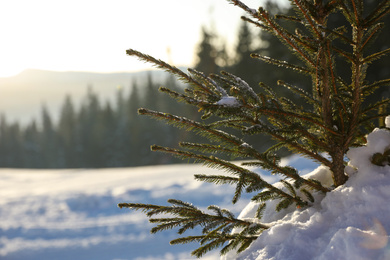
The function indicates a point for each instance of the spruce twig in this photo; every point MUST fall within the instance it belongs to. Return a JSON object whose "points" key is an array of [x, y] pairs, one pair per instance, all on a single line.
{"points": [[216, 227]]}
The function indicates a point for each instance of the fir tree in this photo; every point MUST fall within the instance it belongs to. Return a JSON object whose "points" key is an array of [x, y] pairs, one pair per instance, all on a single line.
{"points": [[207, 54], [335, 119], [49, 140], [31, 147], [66, 131]]}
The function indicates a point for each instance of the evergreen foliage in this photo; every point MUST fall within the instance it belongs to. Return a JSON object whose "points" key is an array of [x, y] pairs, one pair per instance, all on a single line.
{"points": [[336, 117]]}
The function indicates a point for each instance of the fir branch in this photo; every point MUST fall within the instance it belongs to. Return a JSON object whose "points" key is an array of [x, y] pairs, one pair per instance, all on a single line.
{"points": [[272, 165], [289, 18], [188, 124], [269, 91], [284, 35], [371, 33], [219, 240], [357, 12], [244, 7], [217, 179], [289, 187], [260, 211], [246, 177], [366, 119], [338, 33], [331, 67], [213, 149], [289, 114], [307, 18], [290, 142], [344, 8], [145, 208], [181, 97], [306, 41], [375, 106], [378, 13], [265, 195], [283, 204], [245, 238], [186, 216], [165, 66], [343, 53], [308, 195], [281, 63], [241, 84], [262, 15], [287, 172], [232, 123], [308, 97], [210, 81], [261, 26], [375, 85], [376, 56], [186, 240]]}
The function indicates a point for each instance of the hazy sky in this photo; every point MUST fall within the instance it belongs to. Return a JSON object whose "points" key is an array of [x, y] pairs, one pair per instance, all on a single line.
{"points": [[92, 35]]}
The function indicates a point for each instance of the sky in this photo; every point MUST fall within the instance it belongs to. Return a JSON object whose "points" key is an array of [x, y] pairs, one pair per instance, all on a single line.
{"points": [[93, 35]]}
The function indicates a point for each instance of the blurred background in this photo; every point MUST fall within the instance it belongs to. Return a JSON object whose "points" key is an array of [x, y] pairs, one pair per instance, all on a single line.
{"points": [[69, 93]]}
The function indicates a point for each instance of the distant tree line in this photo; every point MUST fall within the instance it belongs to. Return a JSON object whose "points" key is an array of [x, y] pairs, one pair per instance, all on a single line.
{"points": [[95, 135], [113, 135]]}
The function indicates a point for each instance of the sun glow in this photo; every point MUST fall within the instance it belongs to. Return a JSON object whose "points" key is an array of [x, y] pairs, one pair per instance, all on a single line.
{"points": [[93, 35]]}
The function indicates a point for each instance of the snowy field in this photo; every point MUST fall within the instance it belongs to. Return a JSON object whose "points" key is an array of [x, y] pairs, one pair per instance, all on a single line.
{"points": [[73, 214]]}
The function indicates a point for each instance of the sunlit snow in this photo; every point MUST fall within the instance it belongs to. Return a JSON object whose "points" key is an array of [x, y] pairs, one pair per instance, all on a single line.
{"points": [[228, 101], [73, 214]]}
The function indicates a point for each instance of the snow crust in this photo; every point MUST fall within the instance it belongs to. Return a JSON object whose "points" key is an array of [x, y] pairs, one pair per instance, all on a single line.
{"points": [[351, 222]]}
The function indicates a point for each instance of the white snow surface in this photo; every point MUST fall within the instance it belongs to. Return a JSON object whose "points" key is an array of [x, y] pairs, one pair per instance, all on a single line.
{"points": [[73, 214], [350, 222], [228, 101]]}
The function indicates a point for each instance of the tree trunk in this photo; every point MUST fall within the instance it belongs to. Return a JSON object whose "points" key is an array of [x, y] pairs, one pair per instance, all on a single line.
{"points": [[337, 168]]}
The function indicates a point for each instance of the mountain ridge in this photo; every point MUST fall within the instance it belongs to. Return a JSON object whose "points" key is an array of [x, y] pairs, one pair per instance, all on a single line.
{"points": [[23, 95]]}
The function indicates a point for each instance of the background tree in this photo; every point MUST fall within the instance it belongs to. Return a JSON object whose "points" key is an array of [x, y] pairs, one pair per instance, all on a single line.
{"points": [[207, 53], [245, 66], [31, 146], [67, 135], [10, 138], [49, 140]]}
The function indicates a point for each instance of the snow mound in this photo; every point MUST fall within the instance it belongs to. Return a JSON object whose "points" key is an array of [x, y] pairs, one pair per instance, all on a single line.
{"points": [[351, 222]]}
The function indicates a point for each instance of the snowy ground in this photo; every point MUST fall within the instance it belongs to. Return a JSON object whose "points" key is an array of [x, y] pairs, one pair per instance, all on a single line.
{"points": [[73, 214]]}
